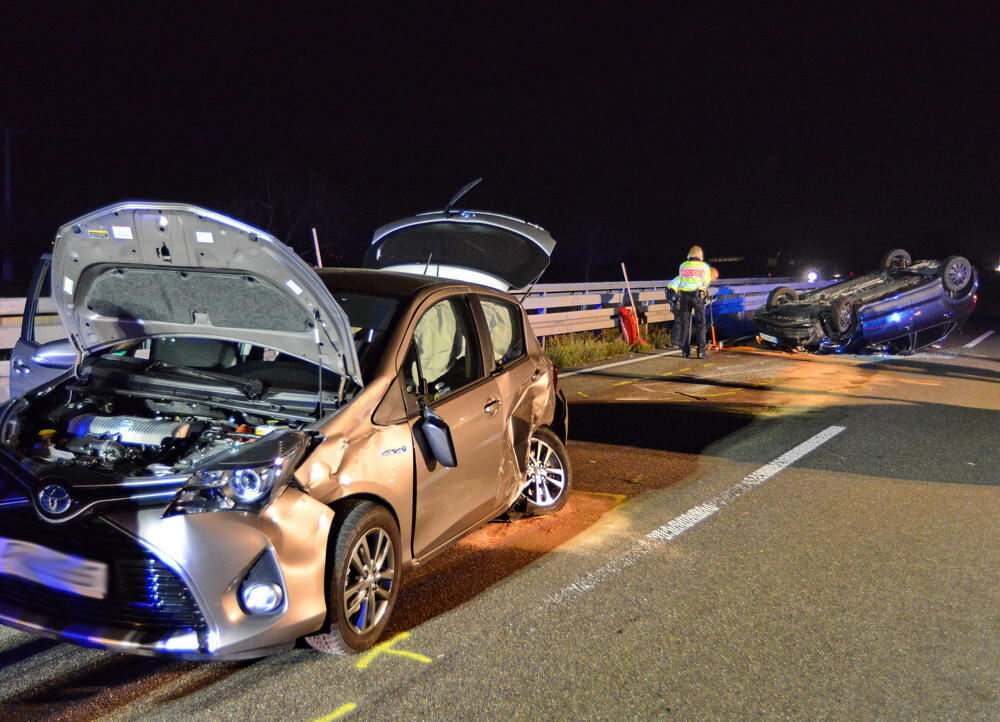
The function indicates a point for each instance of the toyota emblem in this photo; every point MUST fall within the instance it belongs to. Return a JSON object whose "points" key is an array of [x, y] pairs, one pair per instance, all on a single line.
{"points": [[54, 499]]}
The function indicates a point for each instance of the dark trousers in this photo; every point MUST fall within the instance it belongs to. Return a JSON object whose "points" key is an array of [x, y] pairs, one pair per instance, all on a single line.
{"points": [[692, 311]]}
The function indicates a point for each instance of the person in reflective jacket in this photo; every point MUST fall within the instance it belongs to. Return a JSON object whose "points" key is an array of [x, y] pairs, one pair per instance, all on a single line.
{"points": [[695, 276]]}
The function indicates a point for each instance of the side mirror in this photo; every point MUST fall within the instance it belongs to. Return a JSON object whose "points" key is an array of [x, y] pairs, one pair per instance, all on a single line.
{"points": [[438, 436], [59, 354]]}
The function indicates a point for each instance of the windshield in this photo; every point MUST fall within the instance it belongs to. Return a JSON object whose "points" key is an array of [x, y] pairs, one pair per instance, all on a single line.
{"points": [[370, 317]]}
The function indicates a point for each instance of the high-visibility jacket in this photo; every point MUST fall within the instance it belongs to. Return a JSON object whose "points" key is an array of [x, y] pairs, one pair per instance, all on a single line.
{"points": [[695, 275], [675, 283]]}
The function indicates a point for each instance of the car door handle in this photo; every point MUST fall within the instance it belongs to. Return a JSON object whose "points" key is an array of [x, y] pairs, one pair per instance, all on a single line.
{"points": [[492, 406]]}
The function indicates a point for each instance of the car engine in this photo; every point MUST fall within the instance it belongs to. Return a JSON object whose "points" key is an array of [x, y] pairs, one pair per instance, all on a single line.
{"points": [[101, 424]]}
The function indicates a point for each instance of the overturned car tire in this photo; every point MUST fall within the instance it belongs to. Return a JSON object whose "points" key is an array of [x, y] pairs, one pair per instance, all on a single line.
{"points": [[896, 258], [781, 295], [841, 315], [956, 273]]}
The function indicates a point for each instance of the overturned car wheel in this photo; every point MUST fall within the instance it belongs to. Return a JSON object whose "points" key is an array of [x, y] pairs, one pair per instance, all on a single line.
{"points": [[548, 477], [956, 273], [363, 579], [781, 295], [896, 258], [841, 315]]}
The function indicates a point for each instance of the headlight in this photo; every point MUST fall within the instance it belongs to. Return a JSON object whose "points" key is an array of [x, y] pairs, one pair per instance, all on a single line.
{"points": [[244, 479]]}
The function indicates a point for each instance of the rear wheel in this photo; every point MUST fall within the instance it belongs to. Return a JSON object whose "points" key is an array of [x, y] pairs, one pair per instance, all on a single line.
{"points": [[781, 295], [956, 273], [896, 258], [548, 477], [363, 579]]}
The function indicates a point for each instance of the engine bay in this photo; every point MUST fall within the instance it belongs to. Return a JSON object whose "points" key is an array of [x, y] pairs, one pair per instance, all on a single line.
{"points": [[129, 418]]}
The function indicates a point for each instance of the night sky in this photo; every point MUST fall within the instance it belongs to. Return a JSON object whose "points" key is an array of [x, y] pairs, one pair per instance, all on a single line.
{"points": [[628, 132]]}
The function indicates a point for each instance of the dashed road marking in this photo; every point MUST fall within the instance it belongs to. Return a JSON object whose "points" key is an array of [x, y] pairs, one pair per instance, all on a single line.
{"points": [[566, 375], [977, 341], [692, 517]]}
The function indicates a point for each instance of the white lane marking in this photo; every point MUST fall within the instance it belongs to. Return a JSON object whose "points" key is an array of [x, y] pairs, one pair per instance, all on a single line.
{"points": [[692, 517], [977, 341], [619, 363]]}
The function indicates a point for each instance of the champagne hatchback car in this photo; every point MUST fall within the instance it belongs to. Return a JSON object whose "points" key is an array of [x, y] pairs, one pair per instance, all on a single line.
{"points": [[245, 451]]}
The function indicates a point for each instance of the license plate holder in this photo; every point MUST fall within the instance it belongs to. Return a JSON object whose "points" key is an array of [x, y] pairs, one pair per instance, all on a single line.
{"points": [[53, 569], [768, 337]]}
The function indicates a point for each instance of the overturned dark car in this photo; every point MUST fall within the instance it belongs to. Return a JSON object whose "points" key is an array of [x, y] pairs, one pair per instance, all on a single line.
{"points": [[905, 306]]}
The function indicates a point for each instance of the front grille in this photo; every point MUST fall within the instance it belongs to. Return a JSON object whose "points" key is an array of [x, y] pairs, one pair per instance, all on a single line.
{"points": [[144, 595]]}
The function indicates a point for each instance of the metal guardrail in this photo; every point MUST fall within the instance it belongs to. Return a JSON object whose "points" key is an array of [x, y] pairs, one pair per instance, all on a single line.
{"points": [[553, 308], [556, 308]]}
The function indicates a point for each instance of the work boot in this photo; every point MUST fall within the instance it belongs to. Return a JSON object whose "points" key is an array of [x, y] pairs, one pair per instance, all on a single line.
{"points": [[686, 353], [701, 353]]}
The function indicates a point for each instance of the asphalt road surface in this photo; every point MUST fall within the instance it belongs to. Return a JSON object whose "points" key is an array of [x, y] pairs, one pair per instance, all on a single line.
{"points": [[761, 535]]}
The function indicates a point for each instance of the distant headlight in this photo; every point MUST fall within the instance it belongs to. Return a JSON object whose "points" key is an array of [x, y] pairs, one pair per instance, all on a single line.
{"points": [[812, 276], [244, 479]]}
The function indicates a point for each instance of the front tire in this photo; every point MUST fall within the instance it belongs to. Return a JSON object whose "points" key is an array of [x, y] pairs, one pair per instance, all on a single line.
{"points": [[363, 579], [548, 476], [841, 315]]}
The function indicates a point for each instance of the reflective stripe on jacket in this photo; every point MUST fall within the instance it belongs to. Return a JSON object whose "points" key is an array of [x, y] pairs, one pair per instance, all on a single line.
{"points": [[675, 283], [695, 275]]}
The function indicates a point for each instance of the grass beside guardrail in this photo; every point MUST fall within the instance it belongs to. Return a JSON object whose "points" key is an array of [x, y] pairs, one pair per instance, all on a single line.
{"points": [[570, 350]]}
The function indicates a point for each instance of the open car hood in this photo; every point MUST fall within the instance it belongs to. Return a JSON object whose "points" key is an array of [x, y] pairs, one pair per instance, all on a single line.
{"points": [[475, 246], [140, 269]]}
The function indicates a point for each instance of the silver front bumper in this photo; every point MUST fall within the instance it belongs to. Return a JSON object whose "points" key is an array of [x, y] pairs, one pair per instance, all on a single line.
{"points": [[204, 558]]}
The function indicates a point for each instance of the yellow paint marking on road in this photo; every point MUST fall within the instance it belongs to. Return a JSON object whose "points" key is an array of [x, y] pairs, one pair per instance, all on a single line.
{"points": [[721, 393], [625, 383], [338, 713], [580, 393], [920, 383], [386, 648], [617, 497], [668, 373]]}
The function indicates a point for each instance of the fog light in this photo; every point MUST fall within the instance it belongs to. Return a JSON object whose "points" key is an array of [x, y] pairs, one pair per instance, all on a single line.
{"points": [[261, 597]]}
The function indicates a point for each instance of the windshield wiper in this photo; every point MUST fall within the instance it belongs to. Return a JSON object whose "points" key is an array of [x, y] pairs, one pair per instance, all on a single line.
{"points": [[251, 388]]}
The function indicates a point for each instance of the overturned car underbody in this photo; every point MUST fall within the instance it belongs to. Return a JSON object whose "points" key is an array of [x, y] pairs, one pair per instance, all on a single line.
{"points": [[902, 308]]}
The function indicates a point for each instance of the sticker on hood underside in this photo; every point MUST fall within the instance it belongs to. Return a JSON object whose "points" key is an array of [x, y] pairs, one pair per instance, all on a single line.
{"points": [[98, 233], [123, 233], [203, 237]]}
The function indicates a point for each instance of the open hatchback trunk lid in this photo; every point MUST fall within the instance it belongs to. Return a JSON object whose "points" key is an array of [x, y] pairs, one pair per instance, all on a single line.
{"points": [[140, 269], [474, 246]]}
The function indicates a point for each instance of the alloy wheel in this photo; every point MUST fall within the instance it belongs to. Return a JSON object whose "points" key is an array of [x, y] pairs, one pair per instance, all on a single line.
{"points": [[546, 478], [958, 274], [369, 579]]}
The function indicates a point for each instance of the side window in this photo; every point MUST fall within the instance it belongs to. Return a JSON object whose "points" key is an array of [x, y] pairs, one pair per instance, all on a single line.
{"points": [[445, 356], [506, 331]]}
